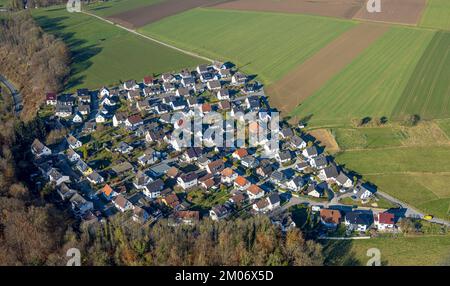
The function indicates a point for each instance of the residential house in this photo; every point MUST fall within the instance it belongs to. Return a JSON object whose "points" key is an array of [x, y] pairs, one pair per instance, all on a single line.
{"points": [[134, 121], [122, 204], [329, 173], [343, 180], [277, 177], [223, 94], [65, 192], [130, 85], [330, 218], [241, 183], [249, 162], [358, 221], [38, 149], [296, 183], [56, 177], [73, 142], [153, 189], [77, 118], [253, 102], [95, 178], [83, 167], [228, 176], [72, 155], [319, 162], [284, 156], [254, 192], [80, 205], [384, 221], [50, 98], [215, 167], [218, 212], [84, 109], [238, 79], [316, 190], [297, 142], [240, 153], [107, 192], [188, 180], [124, 148], [63, 110], [100, 117], [187, 217], [310, 152], [119, 118], [140, 215]]}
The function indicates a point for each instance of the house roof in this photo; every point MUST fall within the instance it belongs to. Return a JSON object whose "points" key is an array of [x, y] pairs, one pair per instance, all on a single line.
{"points": [[331, 171], [121, 201], [148, 79], [155, 186], [50, 96], [254, 189], [107, 190], [206, 107], [134, 119], [263, 203], [241, 152], [386, 218], [225, 104], [173, 172], [330, 216], [274, 198], [189, 177], [241, 181], [358, 218], [216, 165], [342, 178], [187, 215], [227, 172]]}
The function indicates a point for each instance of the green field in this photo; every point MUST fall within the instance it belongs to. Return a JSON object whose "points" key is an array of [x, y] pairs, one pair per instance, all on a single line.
{"points": [[405, 251], [103, 54], [267, 44], [444, 124], [428, 90], [112, 7], [415, 175], [361, 138], [373, 83], [436, 15]]}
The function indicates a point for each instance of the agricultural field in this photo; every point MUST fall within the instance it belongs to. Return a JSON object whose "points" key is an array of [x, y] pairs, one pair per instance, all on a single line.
{"points": [[103, 54], [372, 84], [444, 124], [427, 92], [244, 41], [436, 15], [424, 250], [334, 8], [305, 80], [113, 7], [141, 16], [395, 11], [367, 137]]}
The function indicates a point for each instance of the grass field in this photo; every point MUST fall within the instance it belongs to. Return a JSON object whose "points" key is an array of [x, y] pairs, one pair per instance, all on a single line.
{"points": [[361, 138], [405, 251], [444, 124], [267, 44], [373, 83], [436, 15], [112, 7], [103, 54], [428, 90]]}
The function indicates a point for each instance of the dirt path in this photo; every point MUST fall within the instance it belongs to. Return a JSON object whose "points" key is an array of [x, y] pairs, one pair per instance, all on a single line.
{"points": [[302, 82]]}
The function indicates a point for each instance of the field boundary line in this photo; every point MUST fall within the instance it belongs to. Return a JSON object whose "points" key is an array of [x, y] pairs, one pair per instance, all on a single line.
{"points": [[149, 38]]}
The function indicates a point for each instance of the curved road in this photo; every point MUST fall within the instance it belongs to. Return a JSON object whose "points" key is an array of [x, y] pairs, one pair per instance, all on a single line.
{"points": [[17, 97]]}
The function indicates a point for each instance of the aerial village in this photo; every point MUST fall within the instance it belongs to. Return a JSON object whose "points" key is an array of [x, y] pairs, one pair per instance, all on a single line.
{"points": [[120, 157]]}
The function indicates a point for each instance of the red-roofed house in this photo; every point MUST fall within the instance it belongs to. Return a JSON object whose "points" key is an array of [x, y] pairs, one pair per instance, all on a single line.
{"points": [[50, 98], [384, 221], [240, 153], [241, 183]]}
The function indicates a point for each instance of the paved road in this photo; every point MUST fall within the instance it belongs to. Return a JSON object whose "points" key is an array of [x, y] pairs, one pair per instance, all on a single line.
{"points": [[17, 97]]}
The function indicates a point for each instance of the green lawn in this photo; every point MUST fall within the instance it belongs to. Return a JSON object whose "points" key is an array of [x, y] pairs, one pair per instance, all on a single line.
{"points": [[405, 251], [103, 54], [368, 137], [112, 7], [373, 83], [267, 44], [436, 15], [428, 90]]}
